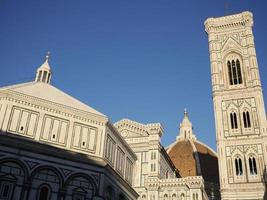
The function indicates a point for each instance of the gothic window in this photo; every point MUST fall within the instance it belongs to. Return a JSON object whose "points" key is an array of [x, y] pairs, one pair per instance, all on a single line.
{"points": [[246, 119], [173, 196], [233, 119], [238, 167], [234, 72], [143, 197], [44, 193], [252, 165]]}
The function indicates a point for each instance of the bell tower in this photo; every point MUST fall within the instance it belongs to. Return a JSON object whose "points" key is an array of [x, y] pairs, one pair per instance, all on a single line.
{"points": [[240, 120]]}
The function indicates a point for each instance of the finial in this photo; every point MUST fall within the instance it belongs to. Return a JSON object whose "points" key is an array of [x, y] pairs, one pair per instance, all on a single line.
{"points": [[47, 56], [185, 111]]}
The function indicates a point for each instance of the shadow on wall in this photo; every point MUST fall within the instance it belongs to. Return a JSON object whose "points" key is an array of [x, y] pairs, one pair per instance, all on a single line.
{"points": [[210, 174], [33, 170]]}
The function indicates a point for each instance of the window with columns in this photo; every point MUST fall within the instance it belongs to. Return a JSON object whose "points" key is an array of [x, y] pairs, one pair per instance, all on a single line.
{"points": [[252, 165], [234, 72], [238, 167], [233, 119], [246, 119]]}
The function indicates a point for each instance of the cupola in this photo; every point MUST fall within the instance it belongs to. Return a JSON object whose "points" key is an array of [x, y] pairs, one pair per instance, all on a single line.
{"points": [[186, 129], [44, 71]]}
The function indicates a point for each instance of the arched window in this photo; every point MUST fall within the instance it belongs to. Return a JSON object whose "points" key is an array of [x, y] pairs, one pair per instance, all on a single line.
{"points": [[143, 197], [252, 166], [44, 193], [233, 119], [173, 196], [246, 119], [194, 196], [238, 167], [234, 72]]}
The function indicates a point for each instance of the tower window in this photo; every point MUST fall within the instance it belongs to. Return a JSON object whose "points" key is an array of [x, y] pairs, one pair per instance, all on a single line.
{"points": [[238, 167], [234, 72], [246, 119], [252, 166], [233, 119]]}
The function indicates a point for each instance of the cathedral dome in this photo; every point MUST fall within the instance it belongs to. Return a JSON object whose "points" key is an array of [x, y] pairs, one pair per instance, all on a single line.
{"points": [[191, 157]]}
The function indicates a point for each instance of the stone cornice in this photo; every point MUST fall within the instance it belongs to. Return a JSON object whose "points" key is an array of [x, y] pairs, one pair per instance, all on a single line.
{"points": [[229, 22], [190, 182], [141, 129]]}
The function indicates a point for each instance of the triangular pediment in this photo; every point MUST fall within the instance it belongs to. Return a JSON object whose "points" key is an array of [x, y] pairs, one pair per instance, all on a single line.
{"points": [[230, 44]]}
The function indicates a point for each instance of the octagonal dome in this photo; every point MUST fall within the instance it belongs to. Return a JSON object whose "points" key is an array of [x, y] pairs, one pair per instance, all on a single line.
{"points": [[193, 158]]}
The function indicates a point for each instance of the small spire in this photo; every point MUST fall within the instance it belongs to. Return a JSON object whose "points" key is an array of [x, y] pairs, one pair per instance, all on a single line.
{"points": [[185, 112], [47, 56]]}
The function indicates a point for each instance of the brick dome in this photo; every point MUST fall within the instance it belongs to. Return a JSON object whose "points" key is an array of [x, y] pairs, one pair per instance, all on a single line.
{"points": [[193, 158]]}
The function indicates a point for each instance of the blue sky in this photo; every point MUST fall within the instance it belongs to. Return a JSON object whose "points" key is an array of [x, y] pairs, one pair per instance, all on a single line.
{"points": [[145, 60]]}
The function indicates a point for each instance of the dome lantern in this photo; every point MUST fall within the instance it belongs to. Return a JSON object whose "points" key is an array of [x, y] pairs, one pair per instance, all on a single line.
{"points": [[186, 129], [44, 71]]}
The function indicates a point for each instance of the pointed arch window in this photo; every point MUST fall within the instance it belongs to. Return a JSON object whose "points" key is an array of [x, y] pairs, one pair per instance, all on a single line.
{"points": [[252, 165], [246, 119], [233, 119], [234, 72], [238, 167]]}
